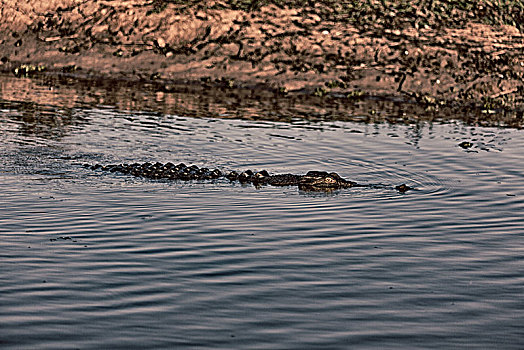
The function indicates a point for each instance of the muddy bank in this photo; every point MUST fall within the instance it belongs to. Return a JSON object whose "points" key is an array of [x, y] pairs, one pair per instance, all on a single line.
{"points": [[434, 52]]}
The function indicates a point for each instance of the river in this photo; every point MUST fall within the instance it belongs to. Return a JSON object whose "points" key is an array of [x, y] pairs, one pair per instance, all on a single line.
{"points": [[94, 260]]}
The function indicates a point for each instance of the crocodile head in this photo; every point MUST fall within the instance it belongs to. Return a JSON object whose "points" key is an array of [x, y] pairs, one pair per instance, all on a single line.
{"points": [[323, 181]]}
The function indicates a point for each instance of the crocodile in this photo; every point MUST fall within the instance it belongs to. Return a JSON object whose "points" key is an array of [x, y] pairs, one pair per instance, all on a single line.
{"points": [[312, 181]]}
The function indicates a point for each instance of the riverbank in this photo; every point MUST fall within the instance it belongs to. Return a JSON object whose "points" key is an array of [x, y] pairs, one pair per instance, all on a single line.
{"points": [[436, 53]]}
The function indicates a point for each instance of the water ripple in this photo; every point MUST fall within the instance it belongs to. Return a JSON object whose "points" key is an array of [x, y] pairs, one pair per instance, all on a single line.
{"points": [[94, 260]]}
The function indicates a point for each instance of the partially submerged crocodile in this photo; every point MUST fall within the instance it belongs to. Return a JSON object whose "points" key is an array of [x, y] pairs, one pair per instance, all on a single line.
{"points": [[312, 181]]}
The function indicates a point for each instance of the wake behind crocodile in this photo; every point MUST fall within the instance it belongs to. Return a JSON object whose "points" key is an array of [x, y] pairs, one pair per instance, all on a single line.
{"points": [[313, 180]]}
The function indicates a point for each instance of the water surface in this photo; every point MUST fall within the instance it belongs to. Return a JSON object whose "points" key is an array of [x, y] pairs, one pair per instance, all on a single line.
{"points": [[94, 260]]}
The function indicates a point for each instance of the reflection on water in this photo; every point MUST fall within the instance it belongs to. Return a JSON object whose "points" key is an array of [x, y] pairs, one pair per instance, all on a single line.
{"points": [[197, 101], [50, 108], [45, 121], [104, 260]]}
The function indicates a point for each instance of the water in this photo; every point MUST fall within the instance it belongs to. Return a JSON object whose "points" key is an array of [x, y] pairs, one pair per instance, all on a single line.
{"points": [[95, 260]]}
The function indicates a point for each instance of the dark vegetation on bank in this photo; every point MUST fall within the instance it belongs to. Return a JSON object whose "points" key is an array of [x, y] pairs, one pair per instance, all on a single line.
{"points": [[386, 13]]}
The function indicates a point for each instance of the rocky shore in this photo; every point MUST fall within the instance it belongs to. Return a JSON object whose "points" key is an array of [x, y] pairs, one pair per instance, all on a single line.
{"points": [[432, 52]]}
